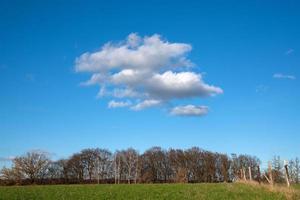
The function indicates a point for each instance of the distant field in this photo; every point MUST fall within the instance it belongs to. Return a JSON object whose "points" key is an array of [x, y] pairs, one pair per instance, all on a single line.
{"points": [[140, 191]]}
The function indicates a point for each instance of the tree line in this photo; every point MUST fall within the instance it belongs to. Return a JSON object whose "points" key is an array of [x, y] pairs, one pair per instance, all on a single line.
{"points": [[155, 165]]}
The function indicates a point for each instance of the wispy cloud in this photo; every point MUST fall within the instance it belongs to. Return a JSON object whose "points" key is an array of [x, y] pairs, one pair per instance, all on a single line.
{"points": [[149, 71], [261, 88], [189, 110], [118, 104], [6, 159], [289, 51], [146, 104], [284, 76]]}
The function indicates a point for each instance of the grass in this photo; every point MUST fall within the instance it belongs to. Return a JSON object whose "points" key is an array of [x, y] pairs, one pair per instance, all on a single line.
{"points": [[297, 187], [142, 191]]}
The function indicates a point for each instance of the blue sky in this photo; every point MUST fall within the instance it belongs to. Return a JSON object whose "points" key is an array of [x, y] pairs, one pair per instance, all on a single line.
{"points": [[250, 50]]}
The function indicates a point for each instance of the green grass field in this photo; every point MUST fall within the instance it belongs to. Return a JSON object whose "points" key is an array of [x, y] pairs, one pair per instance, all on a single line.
{"points": [[140, 191]]}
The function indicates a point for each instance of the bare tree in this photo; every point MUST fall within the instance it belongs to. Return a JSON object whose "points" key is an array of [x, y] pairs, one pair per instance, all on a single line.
{"points": [[155, 165], [178, 165], [294, 170], [7, 174], [277, 170], [58, 171], [297, 170], [75, 167], [33, 165], [89, 159], [11, 176], [223, 167], [104, 164], [130, 161]]}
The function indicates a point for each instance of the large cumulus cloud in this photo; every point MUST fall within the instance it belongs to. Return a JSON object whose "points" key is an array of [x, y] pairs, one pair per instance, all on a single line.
{"points": [[146, 71]]}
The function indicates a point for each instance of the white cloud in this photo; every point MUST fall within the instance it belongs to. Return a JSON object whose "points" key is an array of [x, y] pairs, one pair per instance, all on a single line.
{"points": [[127, 92], [152, 53], [102, 92], [97, 78], [128, 77], [284, 76], [189, 110], [146, 104], [180, 85], [147, 70], [118, 104], [133, 40]]}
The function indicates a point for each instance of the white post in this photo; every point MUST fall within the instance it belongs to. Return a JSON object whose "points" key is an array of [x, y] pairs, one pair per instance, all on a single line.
{"points": [[270, 173], [286, 173], [98, 178], [115, 163], [244, 173], [250, 174]]}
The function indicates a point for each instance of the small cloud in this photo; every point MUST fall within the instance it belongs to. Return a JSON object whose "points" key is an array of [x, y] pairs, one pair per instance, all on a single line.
{"points": [[134, 40], [11, 157], [289, 51], [42, 151], [102, 92], [121, 93], [6, 159], [189, 110], [146, 104], [284, 76], [118, 104], [261, 88]]}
